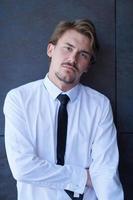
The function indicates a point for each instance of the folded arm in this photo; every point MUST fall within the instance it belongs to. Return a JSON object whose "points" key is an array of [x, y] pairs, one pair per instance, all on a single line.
{"points": [[105, 158], [24, 162]]}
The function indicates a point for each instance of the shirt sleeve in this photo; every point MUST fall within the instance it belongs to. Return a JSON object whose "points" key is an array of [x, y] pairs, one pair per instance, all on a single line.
{"points": [[25, 164], [105, 158]]}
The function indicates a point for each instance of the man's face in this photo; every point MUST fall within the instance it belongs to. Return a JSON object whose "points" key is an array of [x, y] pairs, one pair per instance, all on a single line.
{"points": [[70, 58]]}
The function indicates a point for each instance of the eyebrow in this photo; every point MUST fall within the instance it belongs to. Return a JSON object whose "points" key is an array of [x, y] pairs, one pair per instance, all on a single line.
{"points": [[83, 51], [70, 44]]}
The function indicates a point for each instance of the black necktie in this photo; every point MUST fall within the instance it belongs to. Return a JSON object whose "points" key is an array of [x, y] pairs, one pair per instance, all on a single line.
{"points": [[62, 135], [62, 128]]}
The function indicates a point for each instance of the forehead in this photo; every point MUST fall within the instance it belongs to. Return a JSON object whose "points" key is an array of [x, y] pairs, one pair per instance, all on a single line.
{"points": [[76, 39]]}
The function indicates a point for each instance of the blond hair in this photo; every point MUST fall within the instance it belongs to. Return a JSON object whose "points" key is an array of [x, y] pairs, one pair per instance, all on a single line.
{"points": [[83, 26]]}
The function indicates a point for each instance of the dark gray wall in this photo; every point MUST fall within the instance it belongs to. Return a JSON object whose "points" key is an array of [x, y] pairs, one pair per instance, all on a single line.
{"points": [[24, 33], [124, 92]]}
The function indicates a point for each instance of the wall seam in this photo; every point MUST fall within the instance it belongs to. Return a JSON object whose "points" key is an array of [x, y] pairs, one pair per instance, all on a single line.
{"points": [[115, 45]]}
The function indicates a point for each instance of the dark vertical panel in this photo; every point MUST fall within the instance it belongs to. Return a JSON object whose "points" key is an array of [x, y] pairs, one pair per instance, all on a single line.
{"points": [[7, 184], [124, 44], [125, 65], [126, 164]]}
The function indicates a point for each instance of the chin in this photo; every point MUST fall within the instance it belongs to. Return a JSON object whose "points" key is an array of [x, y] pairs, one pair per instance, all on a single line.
{"points": [[69, 81]]}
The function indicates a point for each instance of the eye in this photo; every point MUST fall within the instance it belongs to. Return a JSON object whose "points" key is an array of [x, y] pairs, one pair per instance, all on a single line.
{"points": [[84, 56], [67, 48]]}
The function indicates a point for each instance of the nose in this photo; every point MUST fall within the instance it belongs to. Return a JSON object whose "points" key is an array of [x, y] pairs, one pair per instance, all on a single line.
{"points": [[73, 57]]}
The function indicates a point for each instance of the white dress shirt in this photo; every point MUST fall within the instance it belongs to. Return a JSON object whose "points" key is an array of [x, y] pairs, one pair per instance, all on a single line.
{"points": [[31, 137]]}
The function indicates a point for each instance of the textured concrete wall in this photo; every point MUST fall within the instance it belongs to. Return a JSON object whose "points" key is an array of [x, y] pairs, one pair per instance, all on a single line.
{"points": [[25, 30]]}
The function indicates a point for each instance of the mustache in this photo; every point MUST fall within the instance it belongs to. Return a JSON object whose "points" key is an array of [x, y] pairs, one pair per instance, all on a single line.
{"points": [[70, 64]]}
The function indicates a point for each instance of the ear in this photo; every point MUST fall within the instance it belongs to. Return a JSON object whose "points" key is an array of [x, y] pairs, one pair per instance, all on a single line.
{"points": [[50, 49]]}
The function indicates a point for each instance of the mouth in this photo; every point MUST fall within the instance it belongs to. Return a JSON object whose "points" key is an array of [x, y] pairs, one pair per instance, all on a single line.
{"points": [[69, 66]]}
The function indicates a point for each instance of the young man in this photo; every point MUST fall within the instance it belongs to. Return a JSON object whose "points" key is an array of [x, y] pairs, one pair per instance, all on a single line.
{"points": [[88, 167]]}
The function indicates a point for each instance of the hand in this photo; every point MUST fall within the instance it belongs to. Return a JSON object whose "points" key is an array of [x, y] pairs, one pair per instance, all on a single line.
{"points": [[89, 183]]}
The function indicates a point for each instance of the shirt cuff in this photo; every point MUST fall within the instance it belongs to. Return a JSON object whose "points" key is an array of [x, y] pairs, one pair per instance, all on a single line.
{"points": [[78, 180]]}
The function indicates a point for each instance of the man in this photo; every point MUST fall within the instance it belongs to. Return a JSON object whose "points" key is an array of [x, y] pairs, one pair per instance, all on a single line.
{"points": [[88, 169]]}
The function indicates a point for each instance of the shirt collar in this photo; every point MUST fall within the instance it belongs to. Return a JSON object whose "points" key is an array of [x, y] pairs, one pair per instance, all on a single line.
{"points": [[54, 91]]}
